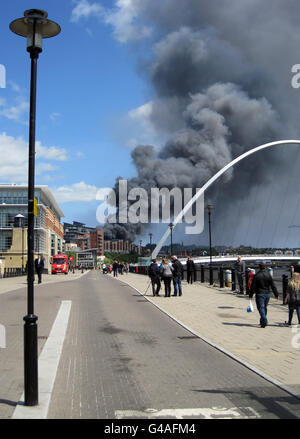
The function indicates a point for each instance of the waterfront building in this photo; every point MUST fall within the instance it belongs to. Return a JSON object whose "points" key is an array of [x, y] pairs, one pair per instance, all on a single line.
{"points": [[48, 237]]}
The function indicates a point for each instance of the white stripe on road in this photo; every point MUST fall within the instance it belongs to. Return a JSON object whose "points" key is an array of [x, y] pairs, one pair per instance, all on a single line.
{"points": [[47, 366]]}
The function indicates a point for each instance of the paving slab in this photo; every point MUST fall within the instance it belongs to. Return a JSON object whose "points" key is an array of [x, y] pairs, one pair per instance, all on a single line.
{"points": [[14, 283]]}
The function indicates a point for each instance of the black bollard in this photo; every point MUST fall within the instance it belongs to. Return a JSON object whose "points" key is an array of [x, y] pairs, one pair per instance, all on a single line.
{"points": [[285, 281], [202, 274], [211, 275], [233, 281], [221, 278]]}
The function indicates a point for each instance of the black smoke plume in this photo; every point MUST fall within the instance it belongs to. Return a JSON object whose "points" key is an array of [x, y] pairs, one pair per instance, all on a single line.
{"points": [[221, 73]]}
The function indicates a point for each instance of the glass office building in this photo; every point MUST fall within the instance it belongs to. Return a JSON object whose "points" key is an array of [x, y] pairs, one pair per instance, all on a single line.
{"points": [[13, 207]]}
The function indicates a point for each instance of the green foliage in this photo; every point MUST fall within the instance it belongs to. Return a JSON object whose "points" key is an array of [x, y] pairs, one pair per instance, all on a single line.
{"points": [[111, 257], [72, 253]]}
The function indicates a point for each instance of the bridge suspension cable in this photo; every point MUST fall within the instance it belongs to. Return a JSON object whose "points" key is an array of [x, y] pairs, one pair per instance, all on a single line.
{"points": [[211, 181]]}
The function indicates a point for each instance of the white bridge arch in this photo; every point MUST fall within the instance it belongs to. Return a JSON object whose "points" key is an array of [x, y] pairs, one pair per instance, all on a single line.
{"points": [[210, 182]]}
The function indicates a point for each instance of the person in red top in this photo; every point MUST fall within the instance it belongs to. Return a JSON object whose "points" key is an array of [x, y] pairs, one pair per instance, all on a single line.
{"points": [[250, 278]]}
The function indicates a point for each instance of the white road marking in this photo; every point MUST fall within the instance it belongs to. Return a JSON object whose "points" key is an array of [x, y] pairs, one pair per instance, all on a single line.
{"points": [[205, 413], [47, 366]]}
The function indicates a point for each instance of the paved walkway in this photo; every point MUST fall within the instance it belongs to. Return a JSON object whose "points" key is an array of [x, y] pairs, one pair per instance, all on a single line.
{"points": [[15, 283], [219, 316]]}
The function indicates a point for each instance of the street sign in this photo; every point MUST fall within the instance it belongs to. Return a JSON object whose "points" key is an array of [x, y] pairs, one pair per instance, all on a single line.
{"points": [[35, 206]]}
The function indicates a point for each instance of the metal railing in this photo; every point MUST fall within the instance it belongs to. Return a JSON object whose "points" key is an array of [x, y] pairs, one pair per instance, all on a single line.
{"points": [[221, 277], [13, 272]]}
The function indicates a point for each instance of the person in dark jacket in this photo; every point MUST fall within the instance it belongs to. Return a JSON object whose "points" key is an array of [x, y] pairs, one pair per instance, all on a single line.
{"points": [[239, 267], [261, 284], [39, 266], [115, 268], [177, 275], [154, 274], [190, 270]]}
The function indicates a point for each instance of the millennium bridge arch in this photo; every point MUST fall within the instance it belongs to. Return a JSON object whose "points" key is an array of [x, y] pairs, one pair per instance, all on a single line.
{"points": [[211, 181]]}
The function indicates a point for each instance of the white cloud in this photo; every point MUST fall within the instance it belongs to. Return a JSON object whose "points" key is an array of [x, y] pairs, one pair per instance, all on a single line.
{"points": [[55, 117], [16, 112], [75, 193], [84, 9], [139, 123], [50, 153], [44, 167], [14, 86], [142, 112], [124, 20], [14, 158]]}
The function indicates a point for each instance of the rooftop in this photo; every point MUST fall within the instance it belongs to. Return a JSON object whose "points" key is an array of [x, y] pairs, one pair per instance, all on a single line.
{"points": [[45, 189]]}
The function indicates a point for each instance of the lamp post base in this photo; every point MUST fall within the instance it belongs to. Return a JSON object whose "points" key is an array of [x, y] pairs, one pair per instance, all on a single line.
{"points": [[30, 360]]}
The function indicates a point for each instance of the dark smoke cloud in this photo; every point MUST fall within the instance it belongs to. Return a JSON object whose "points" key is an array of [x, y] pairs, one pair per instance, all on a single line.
{"points": [[220, 75]]}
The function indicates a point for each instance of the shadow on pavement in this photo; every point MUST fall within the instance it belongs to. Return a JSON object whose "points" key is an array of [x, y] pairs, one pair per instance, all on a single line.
{"points": [[273, 404], [8, 402]]}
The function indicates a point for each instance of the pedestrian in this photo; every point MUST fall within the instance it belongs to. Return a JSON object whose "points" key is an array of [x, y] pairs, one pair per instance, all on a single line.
{"points": [[154, 274], [177, 275], [190, 270], [239, 267], [261, 284], [39, 266], [115, 268], [250, 278], [166, 271], [293, 297], [104, 268], [121, 267]]}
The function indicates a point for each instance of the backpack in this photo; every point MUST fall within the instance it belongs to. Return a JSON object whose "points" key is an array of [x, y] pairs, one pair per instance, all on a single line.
{"points": [[152, 270]]}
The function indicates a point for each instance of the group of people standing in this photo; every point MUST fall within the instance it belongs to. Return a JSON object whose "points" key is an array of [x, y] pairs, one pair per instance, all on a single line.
{"points": [[167, 272], [117, 268], [261, 284]]}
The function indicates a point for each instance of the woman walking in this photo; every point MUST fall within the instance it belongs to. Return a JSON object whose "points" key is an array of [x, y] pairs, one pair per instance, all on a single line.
{"points": [[293, 297], [167, 276]]}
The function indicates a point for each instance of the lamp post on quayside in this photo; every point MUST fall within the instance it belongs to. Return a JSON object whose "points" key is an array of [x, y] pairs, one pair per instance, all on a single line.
{"points": [[209, 208], [171, 225], [150, 235], [34, 26]]}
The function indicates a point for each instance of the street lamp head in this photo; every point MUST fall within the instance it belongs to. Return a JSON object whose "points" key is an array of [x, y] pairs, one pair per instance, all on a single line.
{"points": [[35, 26]]}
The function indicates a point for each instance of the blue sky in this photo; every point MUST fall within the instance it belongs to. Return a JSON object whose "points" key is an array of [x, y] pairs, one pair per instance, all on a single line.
{"points": [[128, 72], [87, 86]]}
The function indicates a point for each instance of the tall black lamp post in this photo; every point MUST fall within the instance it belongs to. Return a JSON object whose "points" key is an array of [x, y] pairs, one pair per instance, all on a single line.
{"points": [[171, 225], [211, 281], [34, 26]]}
